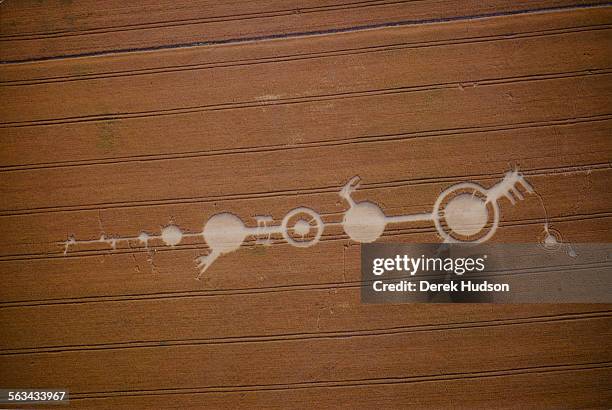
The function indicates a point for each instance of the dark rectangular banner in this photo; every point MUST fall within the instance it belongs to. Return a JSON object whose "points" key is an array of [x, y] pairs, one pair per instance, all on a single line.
{"points": [[486, 273]]}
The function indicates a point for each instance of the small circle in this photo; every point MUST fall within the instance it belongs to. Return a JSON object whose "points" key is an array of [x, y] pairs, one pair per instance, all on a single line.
{"points": [[224, 232], [308, 220], [550, 239], [301, 227], [171, 235], [364, 222], [466, 214]]}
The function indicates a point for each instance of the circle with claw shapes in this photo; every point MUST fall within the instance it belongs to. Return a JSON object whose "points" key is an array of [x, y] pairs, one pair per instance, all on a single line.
{"points": [[305, 231], [469, 218], [224, 233]]}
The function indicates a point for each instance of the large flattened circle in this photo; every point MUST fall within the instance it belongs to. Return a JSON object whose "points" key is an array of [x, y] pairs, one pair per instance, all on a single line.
{"points": [[224, 232]]}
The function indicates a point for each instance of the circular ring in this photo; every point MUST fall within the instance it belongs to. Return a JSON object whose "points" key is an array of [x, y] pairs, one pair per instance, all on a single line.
{"points": [[464, 186], [313, 217]]}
